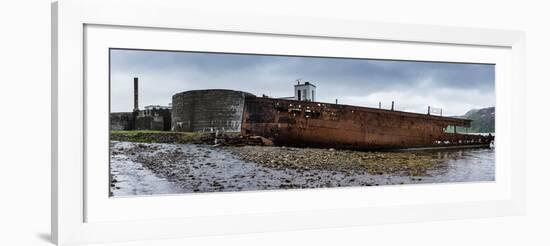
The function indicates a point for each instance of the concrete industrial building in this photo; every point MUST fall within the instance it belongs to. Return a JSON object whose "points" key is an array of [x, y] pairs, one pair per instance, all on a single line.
{"points": [[153, 117], [122, 121], [304, 92], [208, 110]]}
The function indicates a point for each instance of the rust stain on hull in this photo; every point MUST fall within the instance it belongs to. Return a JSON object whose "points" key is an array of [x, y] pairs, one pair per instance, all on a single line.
{"points": [[299, 123]]}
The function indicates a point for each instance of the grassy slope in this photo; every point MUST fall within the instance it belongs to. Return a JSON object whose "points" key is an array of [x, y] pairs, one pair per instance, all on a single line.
{"points": [[483, 121], [149, 136]]}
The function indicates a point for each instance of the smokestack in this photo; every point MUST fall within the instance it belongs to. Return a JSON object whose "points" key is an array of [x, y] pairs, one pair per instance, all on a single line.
{"points": [[136, 105]]}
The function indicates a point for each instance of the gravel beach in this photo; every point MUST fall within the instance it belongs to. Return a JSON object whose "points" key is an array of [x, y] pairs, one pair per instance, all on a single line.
{"points": [[159, 168]]}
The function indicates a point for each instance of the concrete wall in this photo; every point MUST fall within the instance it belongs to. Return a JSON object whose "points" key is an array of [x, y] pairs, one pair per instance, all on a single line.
{"points": [[154, 119], [150, 122], [122, 121], [208, 110]]}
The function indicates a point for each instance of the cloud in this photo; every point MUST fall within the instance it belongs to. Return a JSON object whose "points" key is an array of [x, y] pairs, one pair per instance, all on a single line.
{"points": [[413, 85], [411, 100]]}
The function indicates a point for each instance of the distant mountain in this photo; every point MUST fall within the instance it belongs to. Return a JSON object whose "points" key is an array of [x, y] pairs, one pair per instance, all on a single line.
{"points": [[483, 121]]}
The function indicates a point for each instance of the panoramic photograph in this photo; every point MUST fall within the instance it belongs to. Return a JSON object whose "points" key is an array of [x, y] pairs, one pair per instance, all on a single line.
{"points": [[200, 122]]}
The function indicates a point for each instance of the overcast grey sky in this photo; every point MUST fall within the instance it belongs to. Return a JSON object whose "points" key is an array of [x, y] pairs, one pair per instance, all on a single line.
{"points": [[413, 86]]}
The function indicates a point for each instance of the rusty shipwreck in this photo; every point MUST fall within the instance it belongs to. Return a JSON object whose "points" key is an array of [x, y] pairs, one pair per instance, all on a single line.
{"points": [[316, 124]]}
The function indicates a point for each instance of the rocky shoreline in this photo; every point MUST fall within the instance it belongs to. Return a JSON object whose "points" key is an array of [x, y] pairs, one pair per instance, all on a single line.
{"points": [[189, 168], [374, 162]]}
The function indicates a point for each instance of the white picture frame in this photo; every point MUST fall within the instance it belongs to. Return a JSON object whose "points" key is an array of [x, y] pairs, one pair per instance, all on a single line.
{"points": [[81, 213]]}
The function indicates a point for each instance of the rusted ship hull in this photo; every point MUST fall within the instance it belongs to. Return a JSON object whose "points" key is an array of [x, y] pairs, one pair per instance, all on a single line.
{"points": [[313, 124]]}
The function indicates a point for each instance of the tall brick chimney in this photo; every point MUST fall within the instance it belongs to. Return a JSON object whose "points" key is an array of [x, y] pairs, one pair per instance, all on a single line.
{"points": [[136, 105]]}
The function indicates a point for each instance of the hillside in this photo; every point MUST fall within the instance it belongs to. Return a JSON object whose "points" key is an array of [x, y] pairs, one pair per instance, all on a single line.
{"points": [[483, 121]]}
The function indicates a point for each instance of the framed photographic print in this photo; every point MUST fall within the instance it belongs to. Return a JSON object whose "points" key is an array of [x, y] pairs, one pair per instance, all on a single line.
{"points": [[172, 123]]}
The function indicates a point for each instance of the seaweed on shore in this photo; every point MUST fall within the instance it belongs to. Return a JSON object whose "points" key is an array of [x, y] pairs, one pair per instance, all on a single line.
{"points": [[395, 163]]}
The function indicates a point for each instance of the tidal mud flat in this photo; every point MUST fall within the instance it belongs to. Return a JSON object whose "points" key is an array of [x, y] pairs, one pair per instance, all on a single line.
{"points": [[164, 168]]}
